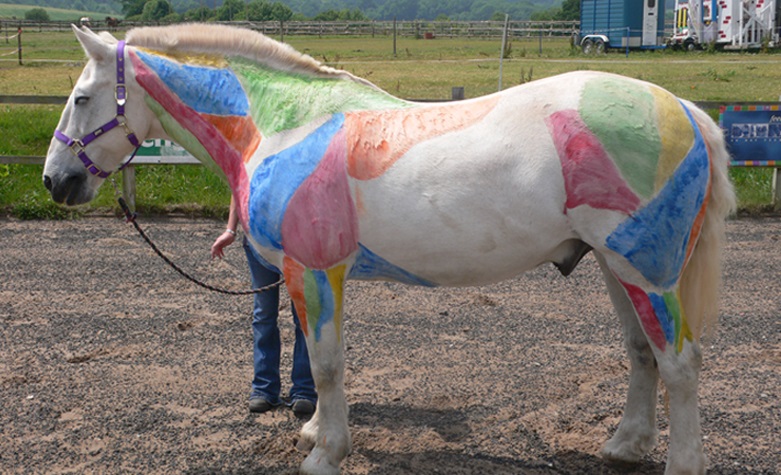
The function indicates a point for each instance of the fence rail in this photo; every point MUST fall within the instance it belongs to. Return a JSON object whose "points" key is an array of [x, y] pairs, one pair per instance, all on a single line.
{"points": [[417, 28]]}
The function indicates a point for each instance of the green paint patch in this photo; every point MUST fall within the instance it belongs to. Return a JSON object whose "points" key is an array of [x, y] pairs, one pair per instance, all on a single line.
{"points": [[621, 113], [312, 299], [282, 101]]}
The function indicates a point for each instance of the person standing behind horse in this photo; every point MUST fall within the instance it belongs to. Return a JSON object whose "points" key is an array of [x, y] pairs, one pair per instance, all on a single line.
{"points": [[266, 384]]}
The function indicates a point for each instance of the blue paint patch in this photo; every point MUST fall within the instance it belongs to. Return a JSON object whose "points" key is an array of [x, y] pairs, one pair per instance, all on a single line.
{"points": [[214, 91], [663, 316], [655, 238], [327, 307], [279, 176], [370, 266]]}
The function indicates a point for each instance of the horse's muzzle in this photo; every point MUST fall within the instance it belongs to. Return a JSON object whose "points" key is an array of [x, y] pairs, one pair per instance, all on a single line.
{"points": [[68, 189]]}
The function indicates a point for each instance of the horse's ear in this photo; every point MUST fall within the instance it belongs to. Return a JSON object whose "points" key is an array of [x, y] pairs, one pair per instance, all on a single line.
{"points": [[108, 37], [96, 47]]}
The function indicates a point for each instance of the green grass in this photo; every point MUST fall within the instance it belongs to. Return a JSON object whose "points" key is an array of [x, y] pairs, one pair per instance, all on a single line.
{"points": [[421, 69]]}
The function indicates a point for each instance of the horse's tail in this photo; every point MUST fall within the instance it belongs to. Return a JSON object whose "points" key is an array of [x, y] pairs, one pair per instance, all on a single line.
{"points": [[701, 280]]}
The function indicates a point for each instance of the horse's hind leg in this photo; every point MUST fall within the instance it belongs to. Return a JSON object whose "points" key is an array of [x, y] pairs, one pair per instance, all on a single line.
{"points": [[676, 352], [636, 434]]}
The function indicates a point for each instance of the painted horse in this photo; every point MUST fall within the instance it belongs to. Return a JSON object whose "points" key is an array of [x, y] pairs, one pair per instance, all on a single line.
{"points": [[336, 179]]}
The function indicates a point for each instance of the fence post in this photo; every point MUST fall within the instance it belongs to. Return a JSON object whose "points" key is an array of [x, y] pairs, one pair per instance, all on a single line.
{"points": [[504, 48], [129, 186], [457, 93], [394, 37], [19, 41]]}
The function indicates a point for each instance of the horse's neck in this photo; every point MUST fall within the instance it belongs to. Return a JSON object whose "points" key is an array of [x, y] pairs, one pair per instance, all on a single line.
{"points": [[221, 114], [282, 101]]}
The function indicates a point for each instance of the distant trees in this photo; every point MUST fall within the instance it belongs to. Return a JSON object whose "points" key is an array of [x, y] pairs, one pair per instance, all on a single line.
{"points": [[132, 8], [260, 10], [36, 14], [323, 10], [156, 10], [341, 15], [569, 10]]}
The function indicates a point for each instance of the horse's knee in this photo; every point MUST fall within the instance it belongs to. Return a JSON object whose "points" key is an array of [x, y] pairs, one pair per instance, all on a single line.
{"points": [[640, 352], [681, 369]]}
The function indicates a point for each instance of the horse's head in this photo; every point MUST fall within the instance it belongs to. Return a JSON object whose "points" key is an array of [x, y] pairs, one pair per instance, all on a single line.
{"points": [[99, 126]]}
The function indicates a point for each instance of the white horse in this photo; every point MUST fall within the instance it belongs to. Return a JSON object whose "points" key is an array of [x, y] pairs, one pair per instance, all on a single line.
{"points": [[336, 179]]}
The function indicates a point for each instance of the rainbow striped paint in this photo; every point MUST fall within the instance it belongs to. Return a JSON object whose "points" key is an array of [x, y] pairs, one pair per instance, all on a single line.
{"points": [[613, 158], [298, 200]]}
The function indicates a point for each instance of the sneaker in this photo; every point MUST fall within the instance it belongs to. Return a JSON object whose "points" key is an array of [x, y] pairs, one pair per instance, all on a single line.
{"points": [[303, 407], [259, 404]]}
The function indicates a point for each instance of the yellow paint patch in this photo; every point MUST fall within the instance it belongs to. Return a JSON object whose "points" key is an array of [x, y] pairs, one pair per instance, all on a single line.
{"points": [[675, 132], [336, 276], [196, 59]]}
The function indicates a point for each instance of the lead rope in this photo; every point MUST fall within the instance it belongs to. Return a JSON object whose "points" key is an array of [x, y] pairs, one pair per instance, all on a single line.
{"points": [[130, 217]]}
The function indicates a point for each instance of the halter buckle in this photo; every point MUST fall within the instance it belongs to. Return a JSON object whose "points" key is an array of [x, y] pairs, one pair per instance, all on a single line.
{"points": [[122, 120], [120, 94], [76, 147]]}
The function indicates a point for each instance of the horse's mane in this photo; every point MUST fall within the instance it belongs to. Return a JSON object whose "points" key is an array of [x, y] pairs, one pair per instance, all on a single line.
{"points": [[230, 41]]}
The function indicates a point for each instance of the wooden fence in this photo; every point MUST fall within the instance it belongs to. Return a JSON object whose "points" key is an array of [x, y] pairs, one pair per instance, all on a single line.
{"points": [[415, 29]]}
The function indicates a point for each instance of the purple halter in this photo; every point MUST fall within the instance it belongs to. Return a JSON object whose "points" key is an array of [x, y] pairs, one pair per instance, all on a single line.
{"points": [[120, 94]]}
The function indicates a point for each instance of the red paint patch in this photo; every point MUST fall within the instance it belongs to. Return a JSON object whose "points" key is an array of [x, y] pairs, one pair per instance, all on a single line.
{"points": [[221, 150], [590, 176], [320, 227], [645, 310]]}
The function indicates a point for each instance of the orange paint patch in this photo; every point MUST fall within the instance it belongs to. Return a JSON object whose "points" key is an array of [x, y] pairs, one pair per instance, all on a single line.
{"points": [[700, 218], [377, 139], [241, 132], [294, 279]]}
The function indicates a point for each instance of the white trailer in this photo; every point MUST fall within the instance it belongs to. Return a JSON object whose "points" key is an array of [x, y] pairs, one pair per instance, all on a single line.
{"points": [[730, 24]]}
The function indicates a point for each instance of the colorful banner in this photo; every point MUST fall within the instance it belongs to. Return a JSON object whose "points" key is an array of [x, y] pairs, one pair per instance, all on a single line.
{"points": [[753, 134]]}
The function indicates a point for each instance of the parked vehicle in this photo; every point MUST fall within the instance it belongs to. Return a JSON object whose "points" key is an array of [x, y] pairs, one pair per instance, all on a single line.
{"points": [[621, 24], [729, 24]]}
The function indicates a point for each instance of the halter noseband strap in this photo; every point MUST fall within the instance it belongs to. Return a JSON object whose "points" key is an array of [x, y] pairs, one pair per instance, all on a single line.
{"points": [[120, 94]]}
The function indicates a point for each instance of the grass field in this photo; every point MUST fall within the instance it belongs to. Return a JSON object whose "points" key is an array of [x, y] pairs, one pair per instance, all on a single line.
{"points": [[421, 69]]}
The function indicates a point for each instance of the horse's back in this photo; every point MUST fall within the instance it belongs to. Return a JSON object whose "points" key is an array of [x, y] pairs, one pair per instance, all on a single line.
{"points": [[560, 159]]}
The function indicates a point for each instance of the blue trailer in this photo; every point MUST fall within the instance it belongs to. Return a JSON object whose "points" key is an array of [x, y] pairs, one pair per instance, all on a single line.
{"points": [[635, 24]]}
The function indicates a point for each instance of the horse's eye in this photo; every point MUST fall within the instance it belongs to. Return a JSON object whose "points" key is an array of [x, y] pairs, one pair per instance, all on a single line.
{"points": [[81, 100]]}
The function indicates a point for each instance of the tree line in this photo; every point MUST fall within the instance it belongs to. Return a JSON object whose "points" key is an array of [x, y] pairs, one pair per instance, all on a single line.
{"points": [[319, 10]]}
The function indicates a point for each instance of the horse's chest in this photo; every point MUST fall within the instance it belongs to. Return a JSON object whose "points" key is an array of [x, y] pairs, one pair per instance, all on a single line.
{"points": [[300, 200]]}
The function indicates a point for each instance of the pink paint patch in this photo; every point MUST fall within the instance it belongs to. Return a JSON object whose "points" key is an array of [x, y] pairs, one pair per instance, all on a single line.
{"points": [[320, 227], [590, 176], [645, 311], [221, 150]]}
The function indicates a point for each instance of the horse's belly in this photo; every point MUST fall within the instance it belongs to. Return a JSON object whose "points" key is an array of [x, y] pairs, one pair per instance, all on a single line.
{"points": [[473, 214]]}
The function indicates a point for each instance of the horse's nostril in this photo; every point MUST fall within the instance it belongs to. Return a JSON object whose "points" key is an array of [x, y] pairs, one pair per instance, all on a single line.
{"points": [[47, 182]]}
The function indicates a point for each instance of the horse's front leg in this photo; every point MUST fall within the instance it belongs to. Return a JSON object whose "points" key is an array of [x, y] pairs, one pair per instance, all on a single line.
{"points": [[320, 294]]}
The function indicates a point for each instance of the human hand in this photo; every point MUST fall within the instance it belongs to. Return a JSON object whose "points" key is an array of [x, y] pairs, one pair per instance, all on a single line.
{"points": [[225, 240]]}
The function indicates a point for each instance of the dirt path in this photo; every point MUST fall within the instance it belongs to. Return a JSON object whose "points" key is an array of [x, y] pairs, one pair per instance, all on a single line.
{"points": [[111, 363]]}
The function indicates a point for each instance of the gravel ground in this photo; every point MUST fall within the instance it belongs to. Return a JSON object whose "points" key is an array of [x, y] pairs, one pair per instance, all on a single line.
{"points": [[112, 363]]}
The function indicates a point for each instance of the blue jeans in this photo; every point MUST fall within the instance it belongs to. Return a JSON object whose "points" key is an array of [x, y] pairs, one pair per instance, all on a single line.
{"points": [[266, 341]]}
